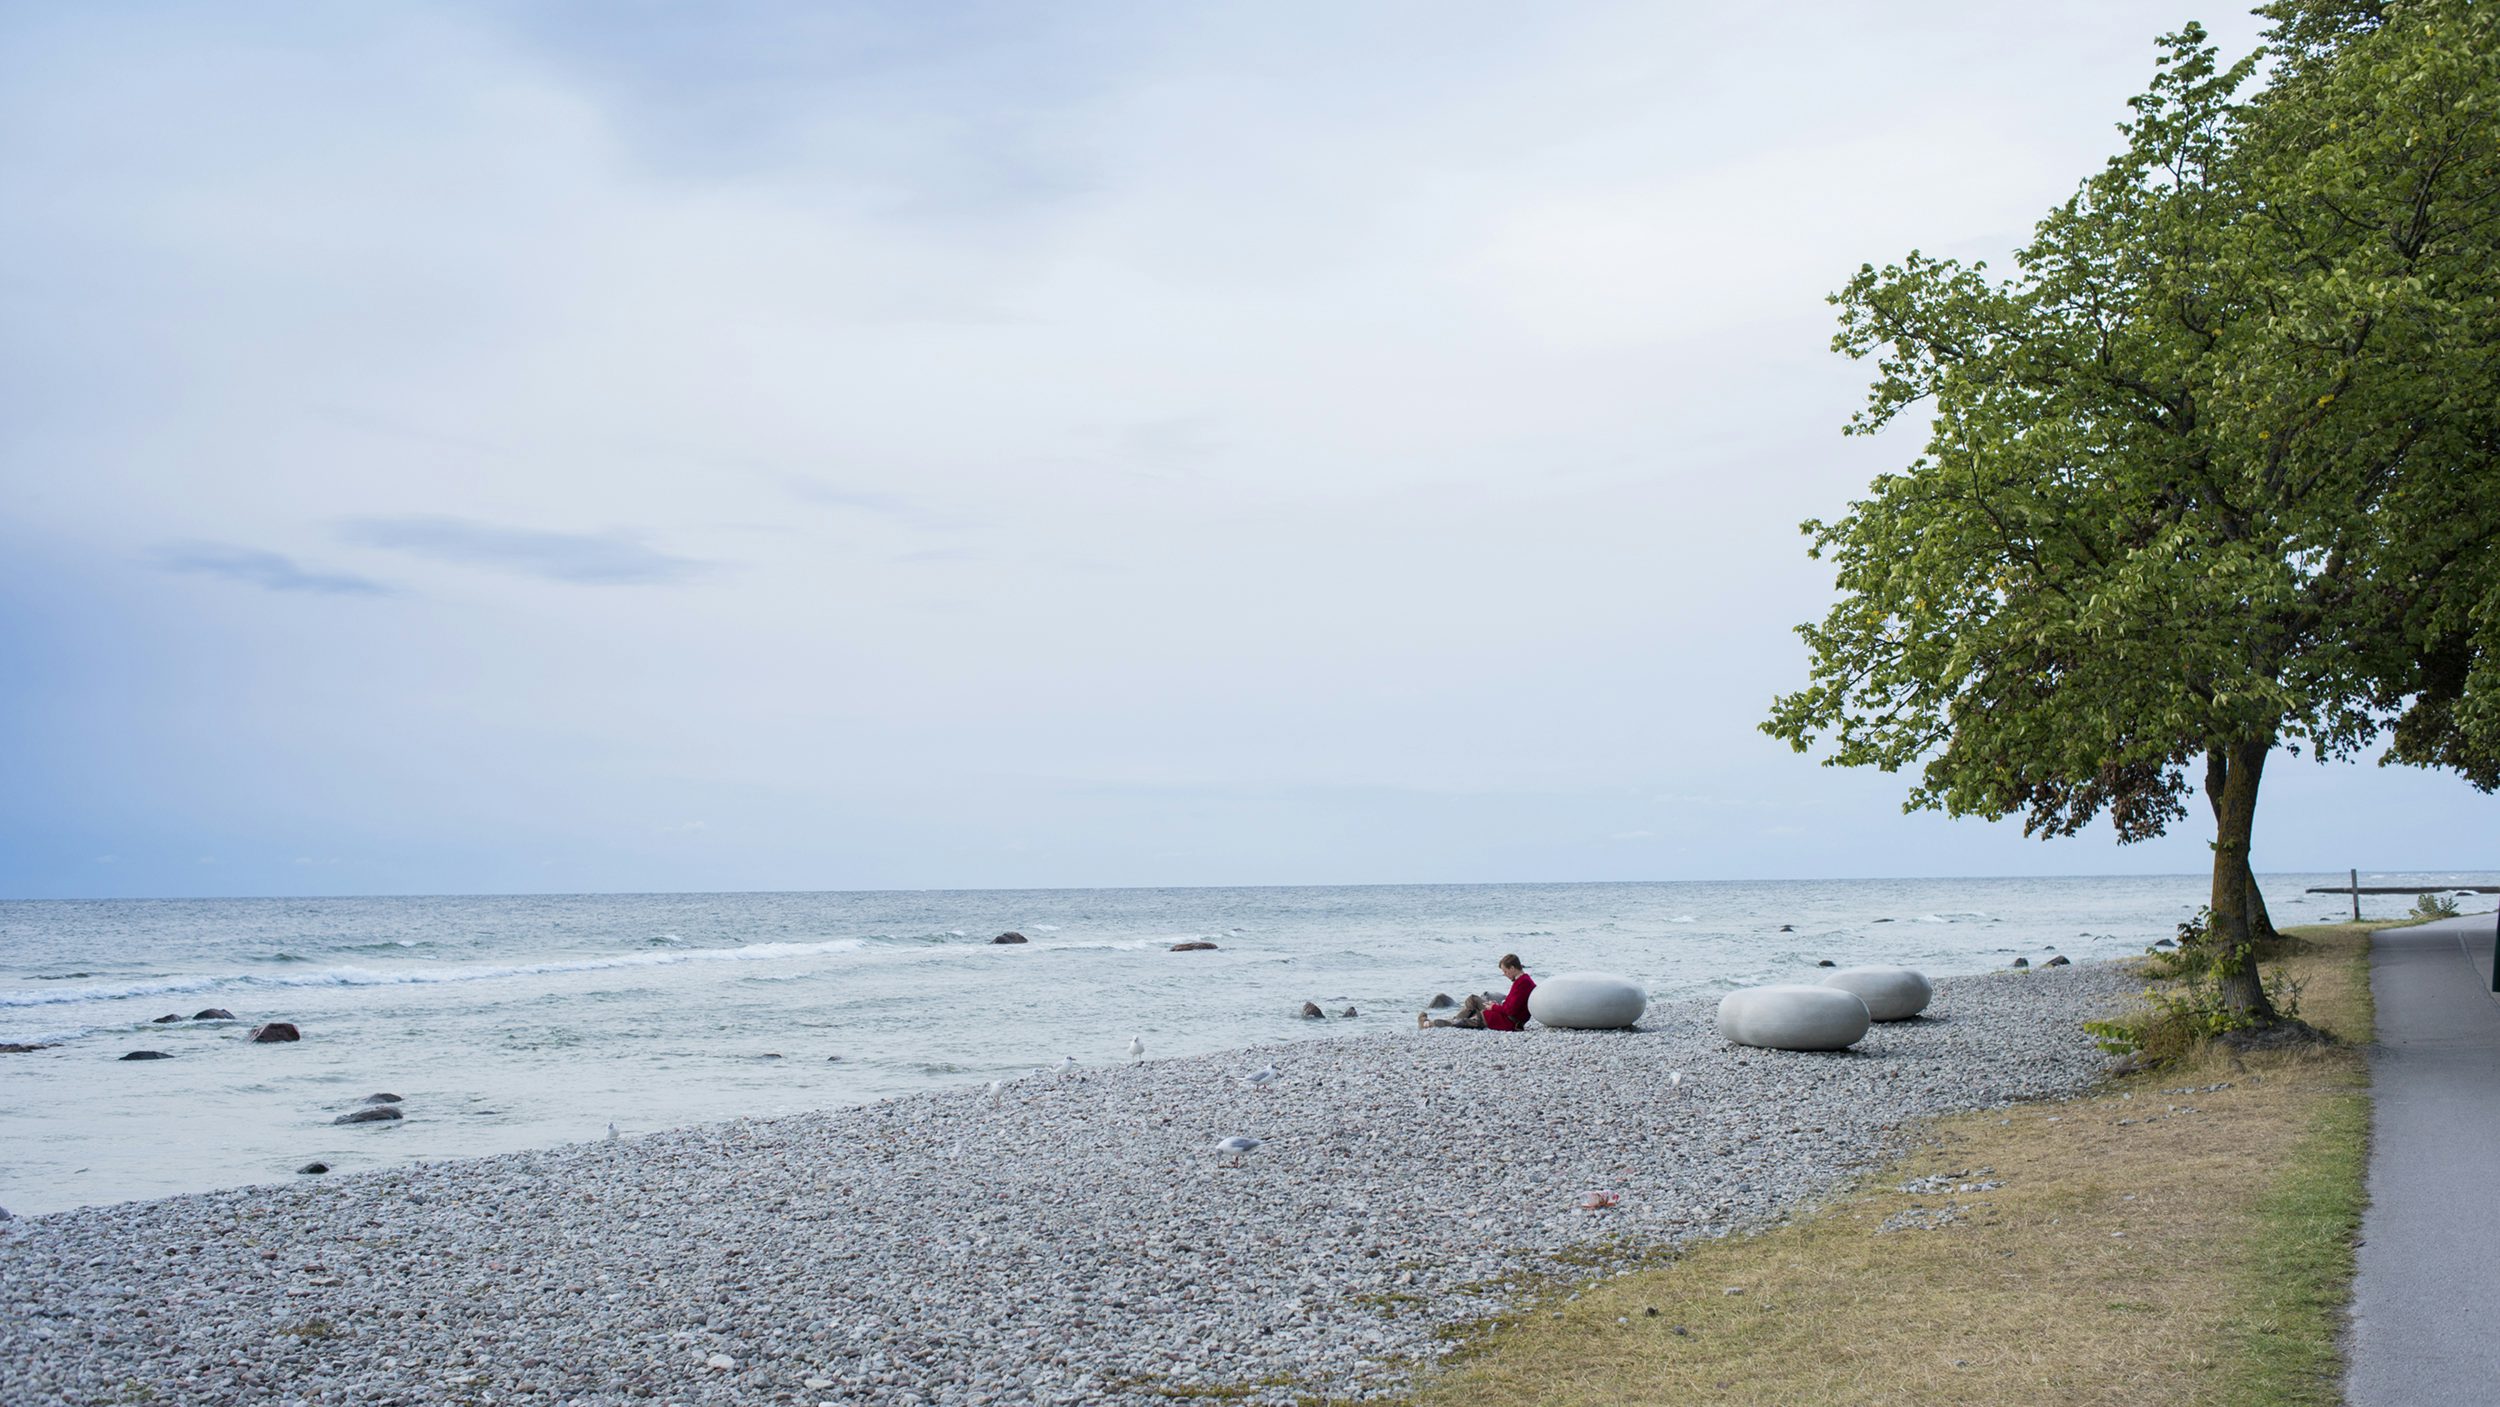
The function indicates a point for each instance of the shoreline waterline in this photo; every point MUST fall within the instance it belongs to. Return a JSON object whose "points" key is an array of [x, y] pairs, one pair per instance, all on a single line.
{"points": [[1077, 1241]]}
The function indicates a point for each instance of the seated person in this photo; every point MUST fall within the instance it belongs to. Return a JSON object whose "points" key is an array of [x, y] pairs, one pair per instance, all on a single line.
{"points": [[1477, 1014]]}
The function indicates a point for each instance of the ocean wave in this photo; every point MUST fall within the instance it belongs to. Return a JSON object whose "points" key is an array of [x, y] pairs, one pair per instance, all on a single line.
{"points": [[367, 977]]}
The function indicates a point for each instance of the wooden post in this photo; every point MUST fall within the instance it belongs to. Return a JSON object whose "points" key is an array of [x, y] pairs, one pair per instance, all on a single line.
{"points": [[2356, 896]]}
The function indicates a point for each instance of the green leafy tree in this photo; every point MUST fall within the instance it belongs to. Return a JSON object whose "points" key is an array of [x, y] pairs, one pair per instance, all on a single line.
{"points": [[2214, 472]]}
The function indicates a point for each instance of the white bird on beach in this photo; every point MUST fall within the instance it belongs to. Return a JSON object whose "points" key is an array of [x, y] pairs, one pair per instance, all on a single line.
{"points": [[1675, 1082], [1237, 1146], [611, 1130], [1261, 1079], [998, 1091], [1137, 1047], [1067, 1063]]}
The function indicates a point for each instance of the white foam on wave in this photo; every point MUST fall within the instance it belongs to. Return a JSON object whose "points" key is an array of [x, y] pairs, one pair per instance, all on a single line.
{"points": [[419, 977], [1683, 918]]}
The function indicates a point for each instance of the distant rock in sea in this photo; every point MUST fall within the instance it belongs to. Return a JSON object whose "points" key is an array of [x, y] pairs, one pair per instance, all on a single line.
{"points": [[314, 1168], [382, 1099], [1009, 937], [1439, 1001], [214, 1013], [2059, 961], [19, 1048], [375, 1114], [162, 1020], [1311, 1012], [1349, 1012], [1200, 946], [272, 1031], [1826, 962], [2022, 962], [147, 1055]]}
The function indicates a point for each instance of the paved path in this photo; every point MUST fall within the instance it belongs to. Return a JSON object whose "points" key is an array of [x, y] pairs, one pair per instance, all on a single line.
{"points": [[2426, 1306]]}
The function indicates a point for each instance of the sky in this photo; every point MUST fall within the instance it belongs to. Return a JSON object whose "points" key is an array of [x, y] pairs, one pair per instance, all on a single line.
{"points": [[544, 447]]}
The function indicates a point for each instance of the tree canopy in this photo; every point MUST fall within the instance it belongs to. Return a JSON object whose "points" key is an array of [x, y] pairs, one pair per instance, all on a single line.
{"points": [[2215, 470]]}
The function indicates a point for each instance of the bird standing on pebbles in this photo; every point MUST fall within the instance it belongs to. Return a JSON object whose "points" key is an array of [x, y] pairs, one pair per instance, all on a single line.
{"points": [[1067, 1064], [1137, 1047], [998, 1091], [1675, 1082], [1237, 1146], [611, 1130], [1262, 1078]]}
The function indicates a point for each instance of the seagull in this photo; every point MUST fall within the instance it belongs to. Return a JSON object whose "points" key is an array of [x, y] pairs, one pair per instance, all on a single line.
{"points": [[1236, 1146], [1137, 1047], [1067, 1063], [611, 1130], [1675, 1081], [998, 1091], [1261, 1079]]}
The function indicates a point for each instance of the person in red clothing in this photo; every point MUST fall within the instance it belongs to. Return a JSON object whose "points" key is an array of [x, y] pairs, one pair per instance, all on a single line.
{"points": [[1477, 1014]]}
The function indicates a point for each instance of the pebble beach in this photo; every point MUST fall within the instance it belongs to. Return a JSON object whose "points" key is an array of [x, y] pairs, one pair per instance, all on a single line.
{"points": [[1074, 1237]]}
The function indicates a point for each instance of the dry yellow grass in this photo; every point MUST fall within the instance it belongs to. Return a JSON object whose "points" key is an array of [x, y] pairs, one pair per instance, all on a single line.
{"points": [[2135, 1254]]}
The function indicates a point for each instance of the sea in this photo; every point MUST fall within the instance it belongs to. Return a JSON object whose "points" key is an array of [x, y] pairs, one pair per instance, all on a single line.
{"points": [[527, 1022]]}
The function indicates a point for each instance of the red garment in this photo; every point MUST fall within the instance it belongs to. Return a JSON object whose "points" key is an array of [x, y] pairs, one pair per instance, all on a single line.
{"points": [[1511, 1012]]}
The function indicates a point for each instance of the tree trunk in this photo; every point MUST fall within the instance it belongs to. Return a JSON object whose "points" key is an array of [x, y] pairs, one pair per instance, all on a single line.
{"points": [[2231, 777]]}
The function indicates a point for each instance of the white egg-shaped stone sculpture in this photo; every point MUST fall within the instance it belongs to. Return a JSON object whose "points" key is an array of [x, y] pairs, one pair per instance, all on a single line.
{"points": [[1587, 1001], [1890, 993], [1793, 1018]]}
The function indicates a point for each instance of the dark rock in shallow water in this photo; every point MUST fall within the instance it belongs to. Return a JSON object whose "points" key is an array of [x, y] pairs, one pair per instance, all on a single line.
{"points": [[382, 1099], [1008, 938], [376, 1114], [1197, 947], [1826, 962], [314, 1168], [1311, 1012], [1440, 1000], [214, 1013], [162, 1020], [2022, 962], [15, 1048], [1349, 1011], [2059, 961], [271, 1031], [147, 1055], [1788, 928], [2164, 943]]}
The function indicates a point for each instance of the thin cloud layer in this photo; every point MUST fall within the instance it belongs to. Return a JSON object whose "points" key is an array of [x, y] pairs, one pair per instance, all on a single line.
{"points": [[270, 571], [584, 559]]}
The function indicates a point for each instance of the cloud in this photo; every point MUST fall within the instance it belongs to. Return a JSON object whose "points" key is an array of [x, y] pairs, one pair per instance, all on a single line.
{"points": [[588, 559], [267, 570], [883, 505]]}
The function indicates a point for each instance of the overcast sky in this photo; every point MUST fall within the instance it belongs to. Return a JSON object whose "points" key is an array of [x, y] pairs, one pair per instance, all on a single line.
{"points": [[625, 446]]}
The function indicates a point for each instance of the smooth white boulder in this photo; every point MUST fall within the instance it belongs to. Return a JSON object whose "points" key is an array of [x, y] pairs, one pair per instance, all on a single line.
{"points": [[1890, 993], [1587, 1001], [1793, 1017]]}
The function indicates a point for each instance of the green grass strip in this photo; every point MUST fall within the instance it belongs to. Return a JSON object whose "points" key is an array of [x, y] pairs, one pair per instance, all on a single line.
{"points": [[2298, 1277]]}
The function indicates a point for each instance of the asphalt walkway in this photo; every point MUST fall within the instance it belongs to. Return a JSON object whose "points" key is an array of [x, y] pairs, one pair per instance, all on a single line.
{"points": [[2426, 1304]]}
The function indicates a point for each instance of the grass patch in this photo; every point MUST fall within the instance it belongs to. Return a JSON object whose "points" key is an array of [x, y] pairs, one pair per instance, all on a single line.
{"points": [[2182, 1236]]}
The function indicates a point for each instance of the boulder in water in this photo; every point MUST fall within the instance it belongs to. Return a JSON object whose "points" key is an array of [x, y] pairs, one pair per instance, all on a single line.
{"points": [[372, 1114], [2060, 960], [382, 1099], [1196, 946], [2023, 963], [1311, 1012], [269, 1032], [162, 1020], [214, 1013], [147, 1055], [1439, 1001], [1825, 962], [1349, 1012], [1009, 937], [314, 1168]]}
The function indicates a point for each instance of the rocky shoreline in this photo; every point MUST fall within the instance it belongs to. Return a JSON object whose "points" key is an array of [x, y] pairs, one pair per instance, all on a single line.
{"points": [[1076, 1238]]}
